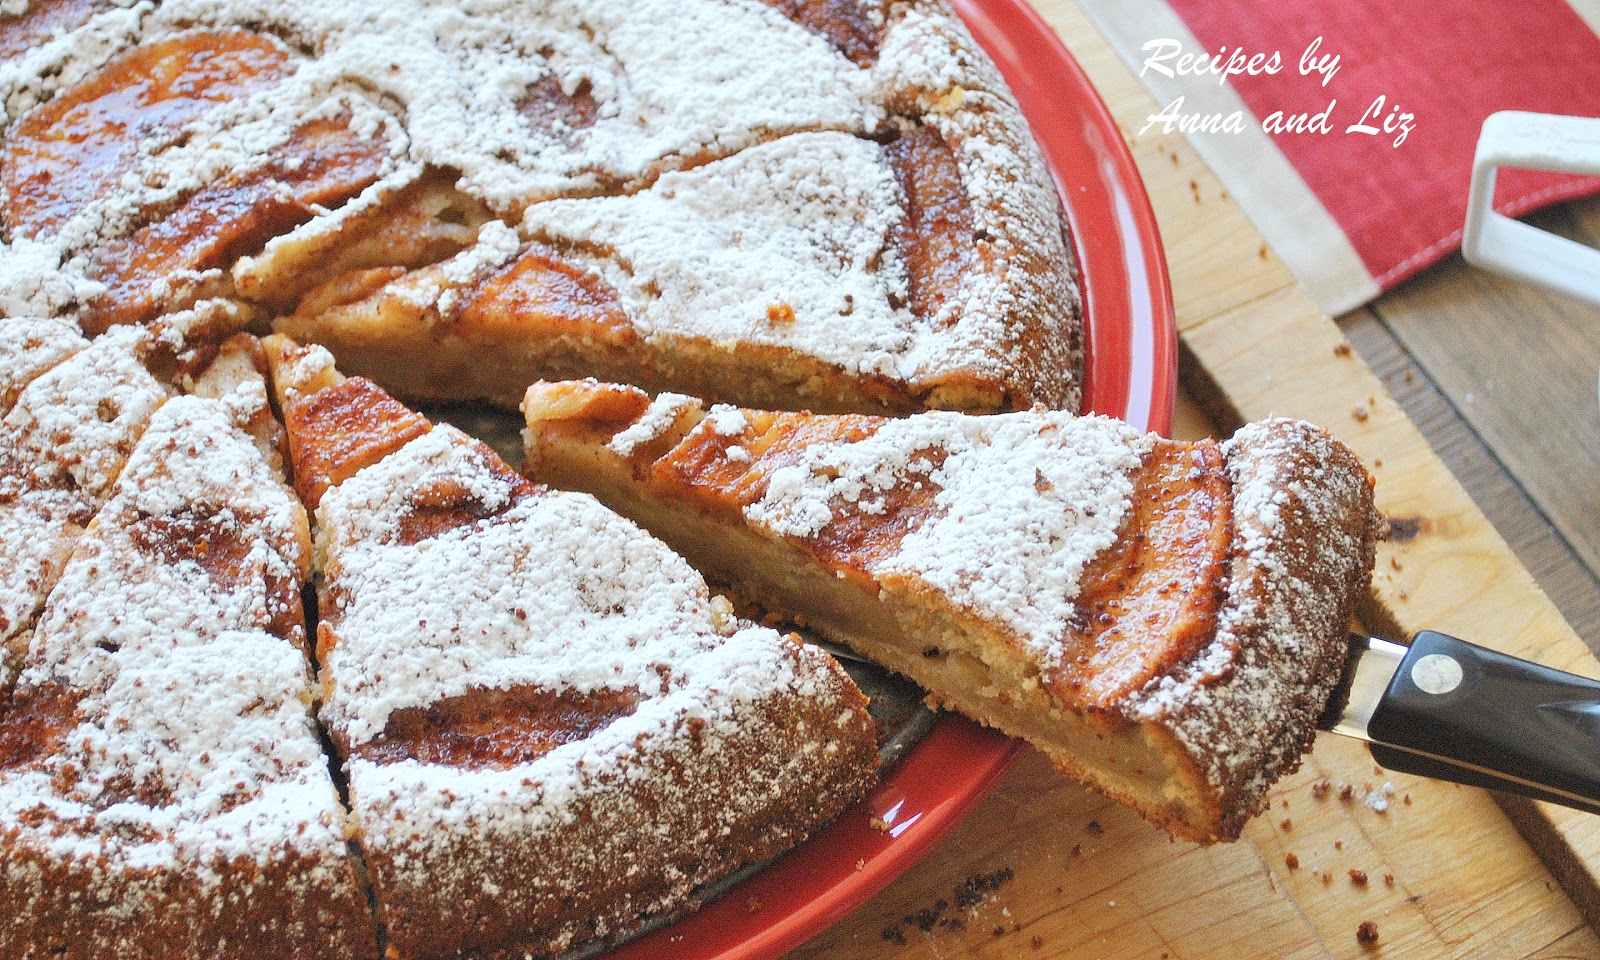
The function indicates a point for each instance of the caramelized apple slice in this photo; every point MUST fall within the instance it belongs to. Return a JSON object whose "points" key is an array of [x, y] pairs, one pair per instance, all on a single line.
{"points": [[496, 729], [322, 165], [543, 293], [35, 25], [419, 224], [1150, 602], [853, 27], [936, 235], [76, 147]]}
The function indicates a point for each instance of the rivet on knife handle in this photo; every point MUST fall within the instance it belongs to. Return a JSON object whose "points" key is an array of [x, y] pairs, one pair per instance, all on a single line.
{"points": [[1460, 712]]}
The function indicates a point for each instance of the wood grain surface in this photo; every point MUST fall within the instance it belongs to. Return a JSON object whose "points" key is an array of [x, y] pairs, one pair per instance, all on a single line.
{"points": [[1045, 868]]}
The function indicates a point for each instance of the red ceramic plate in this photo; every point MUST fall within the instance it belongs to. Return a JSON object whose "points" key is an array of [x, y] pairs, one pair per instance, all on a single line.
{"points": [[1131, 373]]}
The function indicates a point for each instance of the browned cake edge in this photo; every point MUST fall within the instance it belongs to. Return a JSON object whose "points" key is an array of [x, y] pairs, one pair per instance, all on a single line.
{"points": [[86, 909], [634, 850], [1306, 527]]}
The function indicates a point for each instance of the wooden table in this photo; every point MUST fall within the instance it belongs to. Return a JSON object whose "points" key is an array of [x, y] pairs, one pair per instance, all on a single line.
{"points": [[1500, 380]]}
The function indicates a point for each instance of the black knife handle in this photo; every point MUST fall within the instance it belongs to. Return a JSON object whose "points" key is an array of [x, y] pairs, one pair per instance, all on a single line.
{"points": [[1456, 711]]}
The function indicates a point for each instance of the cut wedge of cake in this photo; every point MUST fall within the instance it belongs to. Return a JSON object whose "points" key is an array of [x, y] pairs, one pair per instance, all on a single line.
{"points": [[1164, 620], [163, 789], [63, 444], [552, 731]]}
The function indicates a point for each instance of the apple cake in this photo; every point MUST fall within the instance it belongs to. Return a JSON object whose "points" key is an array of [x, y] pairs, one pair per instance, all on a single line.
{"points": [[550, 727], [824, 205], [1165, 620], [78, 409]]}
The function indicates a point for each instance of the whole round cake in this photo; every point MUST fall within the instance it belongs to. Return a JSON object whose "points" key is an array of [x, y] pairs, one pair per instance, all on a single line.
{"points": [[544, 730], [288, 670]]}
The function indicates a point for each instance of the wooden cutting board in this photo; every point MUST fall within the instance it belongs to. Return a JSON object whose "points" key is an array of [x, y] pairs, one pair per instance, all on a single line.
{"points": [[1047, 869]]}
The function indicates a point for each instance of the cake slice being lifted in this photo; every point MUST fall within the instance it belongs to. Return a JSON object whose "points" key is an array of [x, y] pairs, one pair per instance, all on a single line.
{"points": [[553, 732], [1164, 620]]}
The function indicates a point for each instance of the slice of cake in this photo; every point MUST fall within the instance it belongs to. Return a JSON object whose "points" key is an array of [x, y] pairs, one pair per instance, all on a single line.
{"points": [[1164, 620], [163, 789], [552, 731], [63, 444]]}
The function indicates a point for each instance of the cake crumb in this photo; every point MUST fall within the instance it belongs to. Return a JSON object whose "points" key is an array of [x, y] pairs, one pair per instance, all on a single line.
{"points": [[1036, 942], [1358, 877], [927, 917], [1342, 348], [879, 824], [780, 313], [1367, 934], [1287, 825], [1320, 788], [861, 864], [1388, 880], [1291, 861], [753, 905], [1360, 412], [975, 888], [1338, 844], [1346, 792]]}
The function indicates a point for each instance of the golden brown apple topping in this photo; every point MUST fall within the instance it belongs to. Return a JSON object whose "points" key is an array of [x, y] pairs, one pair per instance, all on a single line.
{"points": [[936, 236], [1151, 601], [550, 109], [336, 431], [497, 729], [844, 23], [76, 147], [322, 165], [545, 291]]}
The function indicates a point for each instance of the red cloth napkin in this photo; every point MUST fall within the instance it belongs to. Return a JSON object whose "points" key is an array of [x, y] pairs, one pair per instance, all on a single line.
{"points": [[1364, 214]]}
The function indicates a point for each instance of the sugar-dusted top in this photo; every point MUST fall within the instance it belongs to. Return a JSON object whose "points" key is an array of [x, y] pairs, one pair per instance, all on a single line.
{"points": [[28, 347], [173, 639], [548, 589], [62, 446], [1008, 510]]}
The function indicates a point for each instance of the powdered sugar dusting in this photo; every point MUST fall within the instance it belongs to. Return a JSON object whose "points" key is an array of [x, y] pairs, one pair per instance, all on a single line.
{"points": [[1024, 502], [194, 744], [61, 447], [656, 420], [32, 281], [802, 222], [564, 595], [553, 591], [28, 347]]}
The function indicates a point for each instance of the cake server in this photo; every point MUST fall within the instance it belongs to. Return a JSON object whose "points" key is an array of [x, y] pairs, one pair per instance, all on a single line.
{"points": [[1452, 710]]}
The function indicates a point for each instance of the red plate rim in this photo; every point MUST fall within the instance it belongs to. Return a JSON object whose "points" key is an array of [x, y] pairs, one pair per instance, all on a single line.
{"points": [[1130, 372]]}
